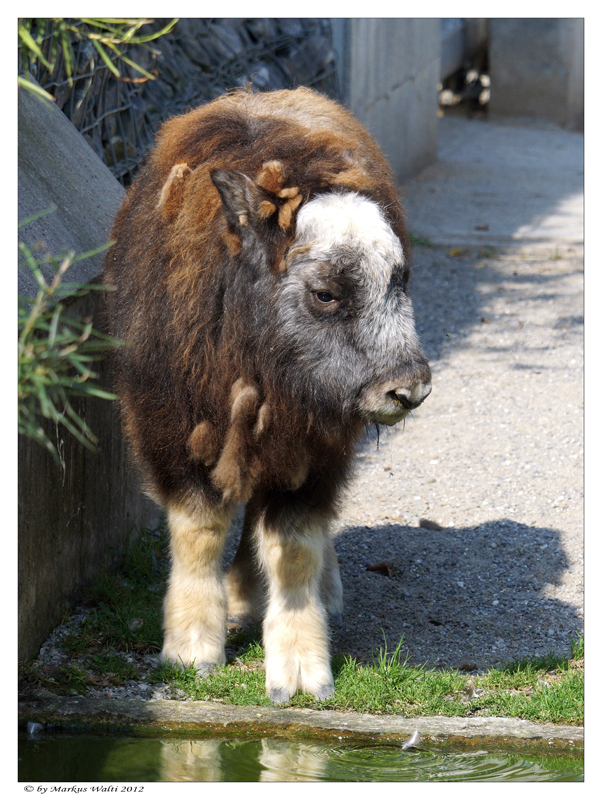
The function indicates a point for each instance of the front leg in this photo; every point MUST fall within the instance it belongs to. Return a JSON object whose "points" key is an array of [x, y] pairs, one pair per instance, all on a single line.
{"points": [[195, 607], [294, 630]]}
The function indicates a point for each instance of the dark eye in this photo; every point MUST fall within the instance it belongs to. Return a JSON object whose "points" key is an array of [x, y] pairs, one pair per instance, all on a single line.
{"points": [[324, 297]]}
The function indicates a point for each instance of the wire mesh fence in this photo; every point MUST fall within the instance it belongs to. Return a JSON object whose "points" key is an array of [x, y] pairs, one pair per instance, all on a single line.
{"points": [[198, 60]]}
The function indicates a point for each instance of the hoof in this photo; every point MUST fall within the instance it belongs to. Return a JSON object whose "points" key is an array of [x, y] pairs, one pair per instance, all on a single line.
{"points": [[241, 623], [325, 692], [279, 697], [204, 668]]}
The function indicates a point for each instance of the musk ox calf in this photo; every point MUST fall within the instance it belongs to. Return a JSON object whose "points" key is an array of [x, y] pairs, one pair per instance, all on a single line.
{"points": [[261, 265]]}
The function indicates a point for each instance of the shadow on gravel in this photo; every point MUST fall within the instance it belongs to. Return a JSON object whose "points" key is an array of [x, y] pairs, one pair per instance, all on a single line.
{"points": [[449, 292], [459, 596]]}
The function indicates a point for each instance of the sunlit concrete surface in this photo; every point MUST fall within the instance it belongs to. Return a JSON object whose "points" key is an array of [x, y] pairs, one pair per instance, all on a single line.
{"points": [[499, 184]]}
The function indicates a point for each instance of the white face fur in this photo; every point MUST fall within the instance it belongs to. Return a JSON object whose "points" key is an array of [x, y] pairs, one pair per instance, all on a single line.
{"points": [[351, 223], [332, 221], [346, 251]]}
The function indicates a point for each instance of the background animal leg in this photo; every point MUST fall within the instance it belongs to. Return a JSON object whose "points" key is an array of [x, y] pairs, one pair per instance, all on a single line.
{"points": [[245, 584], [331, 587], [294, 630], [195, 605]]}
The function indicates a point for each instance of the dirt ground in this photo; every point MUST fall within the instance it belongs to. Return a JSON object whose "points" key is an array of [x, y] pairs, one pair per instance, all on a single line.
{"points": [[494, 457]]}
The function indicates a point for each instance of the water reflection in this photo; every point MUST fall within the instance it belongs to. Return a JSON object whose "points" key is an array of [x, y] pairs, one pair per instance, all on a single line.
{"points": [[284, 761], [95, 758], [191, 761]]}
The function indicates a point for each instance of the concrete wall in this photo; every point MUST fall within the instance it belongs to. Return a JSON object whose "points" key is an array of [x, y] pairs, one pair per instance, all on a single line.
{"points": [[73, 516], [537, 70], [389, 72]]}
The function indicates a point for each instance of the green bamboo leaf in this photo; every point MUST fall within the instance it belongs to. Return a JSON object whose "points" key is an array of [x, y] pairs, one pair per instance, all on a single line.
{"points": [[35, 432], [46, 405], [78, 435], [54, 324], [108, 42], [102, 53], [31, 43], [95, 251], [152, 36], [79, 363], [102, 393], [137, 67], [32, 263], [82, 427], [107, 22], [30, 86], [54, 44], [122, 20], [104, 24], [28, 220], [67, 54]]}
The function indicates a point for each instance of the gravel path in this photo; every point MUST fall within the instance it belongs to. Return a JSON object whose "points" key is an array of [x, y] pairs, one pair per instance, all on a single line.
{"points": [[494, 457]]}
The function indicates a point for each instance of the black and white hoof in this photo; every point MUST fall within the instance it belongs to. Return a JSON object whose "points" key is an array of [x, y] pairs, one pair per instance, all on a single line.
{"points": [[325, 692], [280, 697]]}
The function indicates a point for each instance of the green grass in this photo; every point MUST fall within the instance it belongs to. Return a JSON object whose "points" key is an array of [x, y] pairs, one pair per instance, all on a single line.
{"points": [[127, 604], [542, 689], [126, 621]]}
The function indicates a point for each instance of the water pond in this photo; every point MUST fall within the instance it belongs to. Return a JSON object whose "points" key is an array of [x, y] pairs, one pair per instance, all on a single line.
{"points": [[94, 758]]}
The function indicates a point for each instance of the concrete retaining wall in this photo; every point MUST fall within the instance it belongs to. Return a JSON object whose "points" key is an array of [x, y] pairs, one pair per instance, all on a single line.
{"points": [[389, 70], [74, 516], [537, 70]]}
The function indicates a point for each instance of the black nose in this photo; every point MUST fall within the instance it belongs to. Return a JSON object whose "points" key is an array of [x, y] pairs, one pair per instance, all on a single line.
{"points": [[411, 397]]}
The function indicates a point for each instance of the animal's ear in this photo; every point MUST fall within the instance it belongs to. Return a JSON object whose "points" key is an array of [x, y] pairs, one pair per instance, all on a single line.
{"points": [[240, 196], [256, 213]]}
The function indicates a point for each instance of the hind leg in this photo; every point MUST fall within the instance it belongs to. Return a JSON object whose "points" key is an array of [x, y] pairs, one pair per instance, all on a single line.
{"points": [[331, 587], [245, 583], [195, 607]]}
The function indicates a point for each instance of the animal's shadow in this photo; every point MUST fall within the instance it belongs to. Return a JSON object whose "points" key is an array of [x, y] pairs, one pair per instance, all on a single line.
{"points": [[457, 596]]}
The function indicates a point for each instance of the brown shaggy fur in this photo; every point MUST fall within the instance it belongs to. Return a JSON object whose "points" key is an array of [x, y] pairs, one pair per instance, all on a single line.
{"points": [[170, 266]]}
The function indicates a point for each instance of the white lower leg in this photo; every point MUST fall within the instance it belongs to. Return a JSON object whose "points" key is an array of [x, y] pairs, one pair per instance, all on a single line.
{"points": [[294, 632], [195, 606]]}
